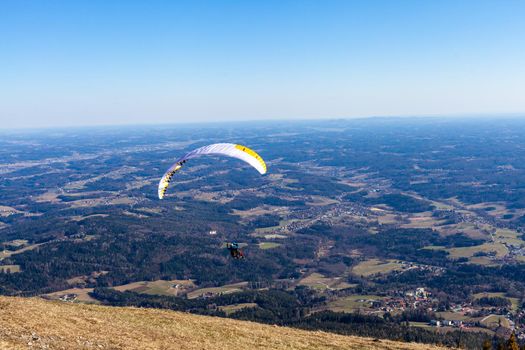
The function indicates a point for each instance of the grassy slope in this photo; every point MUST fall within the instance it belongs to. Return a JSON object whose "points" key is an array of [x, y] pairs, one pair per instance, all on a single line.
{"points": [[40, 324]]}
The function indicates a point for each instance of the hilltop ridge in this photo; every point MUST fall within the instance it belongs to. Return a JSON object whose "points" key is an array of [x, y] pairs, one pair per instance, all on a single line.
{"points": [[33, 323]]}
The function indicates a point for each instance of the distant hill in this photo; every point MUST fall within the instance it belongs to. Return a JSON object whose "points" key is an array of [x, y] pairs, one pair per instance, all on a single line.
{"points": [[39, 324]]}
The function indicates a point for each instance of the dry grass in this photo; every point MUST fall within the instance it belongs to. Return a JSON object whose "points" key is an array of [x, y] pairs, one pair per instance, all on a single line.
{"points": [[226, 289], [509, 236], [83, 217], [10, 268], [260, 210], [468, 252], [50, 196], [422, 220], [320, 282], [387, 218], [159, 287], [17, 243], [81, 293], [268, 245], [149, 210], [493, 321], [39, 324], [7, 253], [321, 201], [229, 309], [6, 211], [274, 236], [352, 303], [376, 266], [514, 301]]}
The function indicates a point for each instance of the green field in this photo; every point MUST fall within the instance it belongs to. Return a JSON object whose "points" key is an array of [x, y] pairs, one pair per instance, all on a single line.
{"points": [[352, 303], [421, 325], [514, 301], [274, 236], [268, 245], [493, 321]]}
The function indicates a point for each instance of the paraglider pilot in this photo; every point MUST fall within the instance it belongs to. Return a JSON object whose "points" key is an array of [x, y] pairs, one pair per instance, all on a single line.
{"points": [[235, 252]]}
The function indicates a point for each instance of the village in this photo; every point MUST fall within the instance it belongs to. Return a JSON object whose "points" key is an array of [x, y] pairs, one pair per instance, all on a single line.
{"points": [[467, 316]]}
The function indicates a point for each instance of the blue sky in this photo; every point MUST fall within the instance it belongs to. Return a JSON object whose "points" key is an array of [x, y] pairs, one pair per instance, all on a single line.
{"points": [[127, 62]]}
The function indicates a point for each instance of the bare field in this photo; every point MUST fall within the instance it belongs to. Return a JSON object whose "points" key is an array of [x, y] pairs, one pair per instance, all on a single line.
{"points": [[387, 218], [160, 287], [16, 243], [149, 210], [320, 282], [376, 266], [452, 316], [422, 220], [497, 210], [114, 174], [82, 295], [281, 227], [7, 253], [80, 217], [10, 268], [468, 252], [274, 236], [138, 183], [229, 309], [471, 230], [509, 237], [6, 211], [209, 196], [269, 245], [493, 321], [227, 289], [352, 303], [321, 201], [50, 196], [514, 301], [260, 210], [94, 202]]}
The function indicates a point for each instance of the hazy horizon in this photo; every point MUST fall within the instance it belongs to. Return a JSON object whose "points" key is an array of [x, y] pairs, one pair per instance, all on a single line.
{"points": [[131, 63], [223, 123]]}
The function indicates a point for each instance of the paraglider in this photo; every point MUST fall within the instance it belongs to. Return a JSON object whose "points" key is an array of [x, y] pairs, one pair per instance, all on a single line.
{"points": [[226, 149], [235, 252]]}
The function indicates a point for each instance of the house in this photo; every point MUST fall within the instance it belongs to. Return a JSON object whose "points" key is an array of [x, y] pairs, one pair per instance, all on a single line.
{"points": [[457, 323], [421, 293]]}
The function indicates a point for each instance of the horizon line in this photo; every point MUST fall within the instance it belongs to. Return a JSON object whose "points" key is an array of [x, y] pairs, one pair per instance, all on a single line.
{"points": [[507, 115]]}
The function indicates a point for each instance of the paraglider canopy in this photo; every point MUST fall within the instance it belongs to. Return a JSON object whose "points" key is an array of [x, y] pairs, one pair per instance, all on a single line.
{"points": [[227, 149]]}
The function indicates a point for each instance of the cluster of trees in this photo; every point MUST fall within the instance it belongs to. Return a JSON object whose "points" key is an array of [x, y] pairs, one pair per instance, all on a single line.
{"points": [[293, 308], [500, 344], [493, 301]]}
